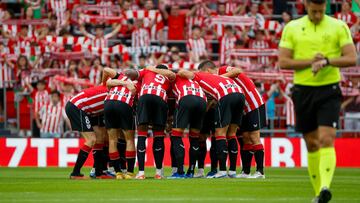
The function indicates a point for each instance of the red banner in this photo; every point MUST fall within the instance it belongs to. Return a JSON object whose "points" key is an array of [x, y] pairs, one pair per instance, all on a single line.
{"points": [[279, 152]]}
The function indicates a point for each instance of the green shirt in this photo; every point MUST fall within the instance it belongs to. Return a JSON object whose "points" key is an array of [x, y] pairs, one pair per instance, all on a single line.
{"points": [[307, 39], [355, 7]]}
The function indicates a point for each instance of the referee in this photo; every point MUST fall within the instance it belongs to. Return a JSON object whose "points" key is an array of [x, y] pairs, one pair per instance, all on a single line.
{"points": [[316, 46]]}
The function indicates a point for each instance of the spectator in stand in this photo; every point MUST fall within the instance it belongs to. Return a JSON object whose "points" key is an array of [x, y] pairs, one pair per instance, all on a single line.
{"points": [[194, 17], [286, 17], [218, 30], [51, 117], [227, 43], [254, 12], [196, 45], [40, 97], [36, 6], [346, 15], [269, 98], [240, 61], [95, 73], [351, 106], [176, 23], [23, 73], [355, 6], [140, 40], [61, 11], [100, 40], [260, 42]]}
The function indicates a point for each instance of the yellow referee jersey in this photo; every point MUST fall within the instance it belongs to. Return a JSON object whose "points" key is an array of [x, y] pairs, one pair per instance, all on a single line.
{"points": [[307, 39]]}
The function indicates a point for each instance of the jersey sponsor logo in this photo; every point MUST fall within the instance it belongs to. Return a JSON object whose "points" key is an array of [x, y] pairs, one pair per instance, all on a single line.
{"points": [[193, 89], [146, 87], [119, 93]]}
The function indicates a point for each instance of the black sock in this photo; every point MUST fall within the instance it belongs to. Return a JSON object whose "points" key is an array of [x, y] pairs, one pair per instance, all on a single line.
{"points": [[106, 158], [213, 155], [247, 158], [172, 154], [121, 145], [259, 157], [81, 158], [179, 153], [98, 160], [158, 151], [233, 153], [194, 154], [221, 151], [130, 159], [241, 143], [202, 154], [141, 150]]}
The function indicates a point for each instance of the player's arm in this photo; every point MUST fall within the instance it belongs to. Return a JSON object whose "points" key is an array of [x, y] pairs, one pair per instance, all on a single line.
{"points": [[186, 74], [115, 82], [108, 73], [167, 73], [232, 73]]}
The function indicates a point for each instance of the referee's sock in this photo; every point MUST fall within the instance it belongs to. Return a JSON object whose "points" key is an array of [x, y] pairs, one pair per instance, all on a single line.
{"points": [[202, 154], [314, 172], [213, 155], [130, 159], [141, 149], [247, 158], [221, 151], [259, 157], [115, 160], [121, 145], [98, 155], [327, 166], [178, 150], [159, 148], [81, 158], [233, 152]]}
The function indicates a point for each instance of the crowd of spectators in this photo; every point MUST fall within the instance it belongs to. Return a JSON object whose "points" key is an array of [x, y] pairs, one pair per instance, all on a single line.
{"points": [[43, 39]]}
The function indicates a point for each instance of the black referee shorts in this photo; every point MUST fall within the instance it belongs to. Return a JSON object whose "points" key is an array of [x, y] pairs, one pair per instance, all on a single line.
{"points": [[79, 119], [253, 120], [151, 109], [316, 106], [118, 115], [190, 112], [229, 110]]}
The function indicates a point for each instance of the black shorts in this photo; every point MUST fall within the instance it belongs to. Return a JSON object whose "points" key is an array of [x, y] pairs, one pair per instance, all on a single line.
{"points": [[316, 106], [118, 115], [208, 126], [79, 119], [151, 109], [97, 120], [190, 112], [254, 120], [229, 110]]}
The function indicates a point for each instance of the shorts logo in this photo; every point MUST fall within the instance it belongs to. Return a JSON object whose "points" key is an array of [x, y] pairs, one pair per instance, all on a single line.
{"points": [[334, 124], [182, 146], [255, 125], [141, 151], [195, 148], [87, 121], [158, 149]]}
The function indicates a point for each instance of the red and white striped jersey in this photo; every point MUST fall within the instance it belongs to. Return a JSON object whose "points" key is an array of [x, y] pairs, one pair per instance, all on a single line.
{"points": [[95, 75], [105, 12], [59, 7], [216, 85], [253, 99], [11, 29], [41, 98], [348, 18], [6, 75], [153, 83], [91, 100], [226, 44], [260, 44], [194, 20], [289, 111], [99, 42], [51, 118], [182, 87], [121, 93], [272, 25], [140, 38], [230, 7], [198, 48]]}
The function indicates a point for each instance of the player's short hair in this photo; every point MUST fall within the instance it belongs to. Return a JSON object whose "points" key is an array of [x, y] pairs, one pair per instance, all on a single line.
{"points": [[316, 1], [161, 66], [206, 64]]}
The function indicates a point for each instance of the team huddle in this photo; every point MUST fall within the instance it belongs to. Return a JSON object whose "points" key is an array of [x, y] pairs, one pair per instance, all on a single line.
{"points": [[221, 103]]}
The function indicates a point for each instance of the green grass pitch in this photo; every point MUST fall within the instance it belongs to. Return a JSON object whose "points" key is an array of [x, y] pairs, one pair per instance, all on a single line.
{"points": [[280, 185]]}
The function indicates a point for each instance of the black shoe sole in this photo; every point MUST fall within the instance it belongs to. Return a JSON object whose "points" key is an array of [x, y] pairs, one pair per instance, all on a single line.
{"points": [[325, 196]]}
